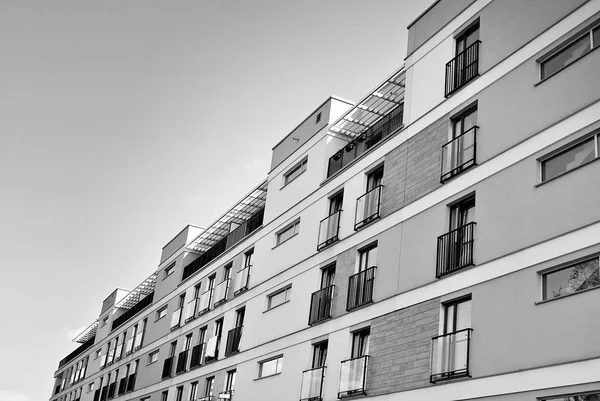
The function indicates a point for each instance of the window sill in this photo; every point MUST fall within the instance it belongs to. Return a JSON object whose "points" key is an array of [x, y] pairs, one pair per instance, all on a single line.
{"points": [[266, 377], [276, 306], [545, 301], [563, 68], [283, 242], [565, 173]]}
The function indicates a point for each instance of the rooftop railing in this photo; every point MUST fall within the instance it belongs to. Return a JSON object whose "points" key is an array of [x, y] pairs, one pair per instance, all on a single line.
{"points": [[450, 355], [80, 350], [320, 305], [353, 376], [459, 154], [360, 288], [134, 310], [368, 207], [462, 69], [312, 384], [329, 230], [455, 250]]}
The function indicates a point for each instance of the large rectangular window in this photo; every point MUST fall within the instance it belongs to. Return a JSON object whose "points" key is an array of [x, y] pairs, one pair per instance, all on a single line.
{"points": [[570, 51], [295, 171], [575, 155], [279, 297], [270, 367], [288, 232], [571, 279]]}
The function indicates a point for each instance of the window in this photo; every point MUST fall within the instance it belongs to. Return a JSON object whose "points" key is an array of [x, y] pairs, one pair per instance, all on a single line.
{"points": [[575, 155], [98, 353], [279, 297], [193, 391], [318, 118], [270, 367], [319, 355], [230, 382], [288, 232], [248, 258], [153, 357], [595, 396], [169, 270], [374, 178], [179, 394], [459, 153], [104, 321], [466, 39], [328, 276], [162, 312], [360, 343], [208, 389], [462, 213], [164, 396], [239, 317], [295, 171], [570, 51], [571, 279], [91, 386], [336, 202], [173, 348], [145, 398], [367, 257]]}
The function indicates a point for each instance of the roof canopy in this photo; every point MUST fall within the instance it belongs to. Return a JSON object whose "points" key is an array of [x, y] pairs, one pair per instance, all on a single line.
{"points": [[86, 334]]}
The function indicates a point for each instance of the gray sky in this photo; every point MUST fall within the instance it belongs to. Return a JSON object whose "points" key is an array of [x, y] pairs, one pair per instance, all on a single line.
{"points": [[123, 121]]}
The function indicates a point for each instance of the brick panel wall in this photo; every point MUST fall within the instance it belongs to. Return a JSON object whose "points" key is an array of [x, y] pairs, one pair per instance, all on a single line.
{"points": [[400, 348], [344, 268]]}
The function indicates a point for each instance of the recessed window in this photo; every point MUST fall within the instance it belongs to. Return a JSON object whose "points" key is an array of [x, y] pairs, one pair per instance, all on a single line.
{"points": [[595, 396], [295, 171], [570, 51], [98, 353], [568, 280], [279, 297], [153, 357], [318, 118], [164, 395], [104, 321], [573, 156], [91, 386], [169, 270], [288, 232], [270, 367], [162, 312]]}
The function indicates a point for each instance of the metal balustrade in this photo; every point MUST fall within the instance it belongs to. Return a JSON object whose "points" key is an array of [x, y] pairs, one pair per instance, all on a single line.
{"points": [[234, 336], [320, 305], [360, 288], [459, 154], [353, 376], [197, 354], [191, 309], [450, 355], [312, 384], [176, 319], [329, 230], [137, 344], [181, 362], [368, 207], [103, 361], [118, 352], [455, 250], [221, 292], [129, 347], [462, 69], [134, 310], [226, 395], [242, 279], [131, 381], [205, 299]]}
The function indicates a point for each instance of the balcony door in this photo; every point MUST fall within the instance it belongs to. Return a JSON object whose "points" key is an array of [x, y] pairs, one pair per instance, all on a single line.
{"points": [[461, 214], [319, 355], [374, 178], [465, 60], [360, 343], [463, 145], [239, 317], [457, 318], [327, 276]]}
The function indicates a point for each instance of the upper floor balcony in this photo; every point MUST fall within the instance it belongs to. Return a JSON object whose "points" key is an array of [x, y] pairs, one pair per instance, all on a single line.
{"points": [[353, 376], [360, 288], [455, 250], [462, 68], [450, 355], [312, 384], [329, 230]]}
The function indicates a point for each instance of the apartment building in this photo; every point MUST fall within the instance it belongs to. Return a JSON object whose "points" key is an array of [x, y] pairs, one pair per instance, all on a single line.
{"points": [[439, 239]]}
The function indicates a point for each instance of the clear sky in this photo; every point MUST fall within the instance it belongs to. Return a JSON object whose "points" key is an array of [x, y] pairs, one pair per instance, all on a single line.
{"points": [[123, 121]]}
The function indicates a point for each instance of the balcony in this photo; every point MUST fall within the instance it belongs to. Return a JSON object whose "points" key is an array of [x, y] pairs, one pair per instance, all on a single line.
{"points": [[455, 250], [246, 228], [212, 349], [450, 356], [181, 362], [368, 208], [80, 350], [137, 344], [320, 305], [360, 288], [312, 384], [242, 280], [234, 337], [462, 69], [122, 386], [226, 395], [353, 377], [329, 230], [176, 319], [131, 381], [197, 354], [129, 347], [385, 127], [221, 292], [459, 154], [191, 309], [205, 299], [168, 367], [134, 310]]}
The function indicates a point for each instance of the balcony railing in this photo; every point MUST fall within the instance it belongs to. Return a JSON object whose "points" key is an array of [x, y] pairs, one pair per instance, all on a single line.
{"points": [[205, 398], [329, 230], [131, 381], [320, 305], [353, 376], [191, 309], [455, 250], [168, 367], [385, 127], [134, 310], [103, 361], [176, 319], [137, 344], [212, 349], [97, 395], [226, 395], [368, 207], [122, 386], [462, 68], [129, 347], [80, 350], [450, 355], [181, 362], [197, 354], [459, 154], [205, 299], [221, 292], [109, 359], [312, 384], [242, 279], [245, 229], [360, 288], [233, 341]]}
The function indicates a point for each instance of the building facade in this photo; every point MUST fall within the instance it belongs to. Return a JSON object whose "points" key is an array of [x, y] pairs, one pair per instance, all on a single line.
{"points": [[439, 239]]}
